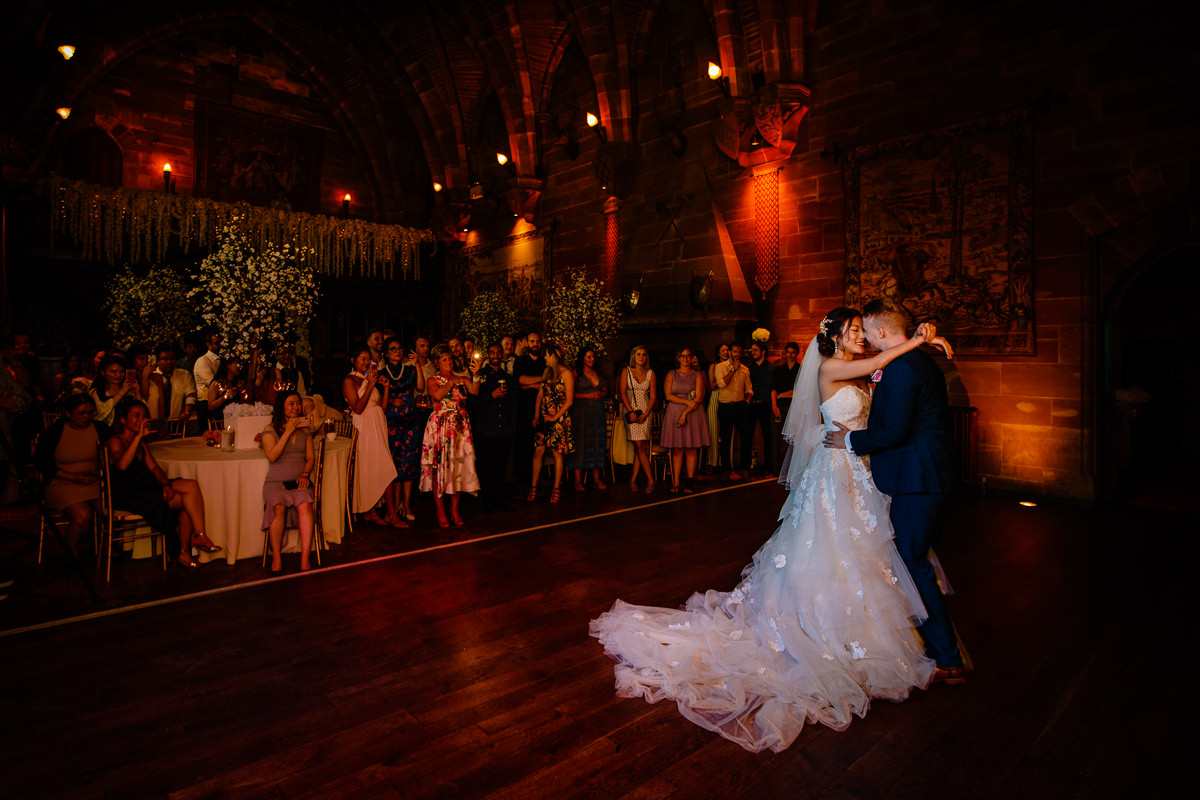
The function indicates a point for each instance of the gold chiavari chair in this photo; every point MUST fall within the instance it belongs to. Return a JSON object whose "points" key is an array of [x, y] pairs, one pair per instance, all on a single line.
{"points": [[317, 488], [118, 526]]}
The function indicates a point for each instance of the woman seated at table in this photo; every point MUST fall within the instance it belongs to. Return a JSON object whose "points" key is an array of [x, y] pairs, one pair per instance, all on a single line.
{"points": [[139, 485], [112, 384], [66, 459], [229, 386], [289, 448]]}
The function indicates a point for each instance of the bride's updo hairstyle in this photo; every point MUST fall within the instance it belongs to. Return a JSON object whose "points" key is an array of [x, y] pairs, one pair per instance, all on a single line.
{"points": [[832, 328]]}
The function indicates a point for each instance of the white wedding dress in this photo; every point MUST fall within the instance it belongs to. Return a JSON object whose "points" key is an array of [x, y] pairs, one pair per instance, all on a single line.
{"points": [[821, 622]]}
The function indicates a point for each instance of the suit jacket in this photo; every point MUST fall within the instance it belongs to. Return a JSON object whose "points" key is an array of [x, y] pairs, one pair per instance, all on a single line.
{"points": [[906, 434], [182, 386]]}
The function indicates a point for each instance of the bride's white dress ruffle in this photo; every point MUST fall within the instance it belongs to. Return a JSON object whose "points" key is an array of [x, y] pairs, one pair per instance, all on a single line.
{"points": [[821, 622]]}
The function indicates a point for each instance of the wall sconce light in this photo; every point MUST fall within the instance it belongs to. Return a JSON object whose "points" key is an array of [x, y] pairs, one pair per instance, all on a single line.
{"points": [[346, 206], [594, 123], [66, 51], [501, 159], [63, 112], [166, 178], [716, 74], [437, 187]]}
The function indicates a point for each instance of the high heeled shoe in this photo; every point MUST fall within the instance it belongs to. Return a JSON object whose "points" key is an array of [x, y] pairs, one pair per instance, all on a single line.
{"points": [[207, 548], [532, 495], [554, 493], [186, 560]]}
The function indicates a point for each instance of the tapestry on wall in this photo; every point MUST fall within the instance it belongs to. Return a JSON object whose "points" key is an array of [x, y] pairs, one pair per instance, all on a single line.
{"points": [[941, 223], [246, 157], [516, 267]]}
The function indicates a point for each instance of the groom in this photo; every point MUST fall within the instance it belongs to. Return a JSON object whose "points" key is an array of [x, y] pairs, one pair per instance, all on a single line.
{"points": [[910, 460]]}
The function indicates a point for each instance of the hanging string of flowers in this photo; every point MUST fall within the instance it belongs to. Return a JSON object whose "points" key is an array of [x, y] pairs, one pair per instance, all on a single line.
{"points": [[120, 225]]}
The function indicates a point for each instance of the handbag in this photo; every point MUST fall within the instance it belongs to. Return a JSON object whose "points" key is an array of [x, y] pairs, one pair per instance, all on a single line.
{"points": [[629, 415]]}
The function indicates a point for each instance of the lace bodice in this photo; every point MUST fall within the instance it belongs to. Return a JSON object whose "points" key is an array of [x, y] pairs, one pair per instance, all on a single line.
{"points": [[849, 405]]}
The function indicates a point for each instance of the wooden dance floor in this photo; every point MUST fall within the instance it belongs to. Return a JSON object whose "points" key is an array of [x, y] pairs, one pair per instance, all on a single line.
{"points": [[467, 672]]}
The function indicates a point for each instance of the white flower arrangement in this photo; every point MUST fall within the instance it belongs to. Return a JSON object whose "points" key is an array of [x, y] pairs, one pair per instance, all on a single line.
{"points": [[252, 296], [148, 309], [487, 318], [580, 313], [760, 335], [247, 410]]}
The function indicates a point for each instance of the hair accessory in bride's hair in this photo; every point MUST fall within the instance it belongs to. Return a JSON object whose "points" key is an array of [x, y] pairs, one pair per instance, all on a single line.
{"points": [[825, 323]]}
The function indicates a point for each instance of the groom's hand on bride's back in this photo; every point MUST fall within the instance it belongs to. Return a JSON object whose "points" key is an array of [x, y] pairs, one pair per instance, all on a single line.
{"points": [[837, 439]]}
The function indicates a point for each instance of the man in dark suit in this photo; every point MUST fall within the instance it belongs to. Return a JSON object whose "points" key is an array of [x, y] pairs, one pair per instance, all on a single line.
{"points": [[910, 460]]}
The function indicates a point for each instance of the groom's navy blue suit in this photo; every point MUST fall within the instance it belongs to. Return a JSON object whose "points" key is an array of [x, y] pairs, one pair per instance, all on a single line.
{"points": [[910, 460]]}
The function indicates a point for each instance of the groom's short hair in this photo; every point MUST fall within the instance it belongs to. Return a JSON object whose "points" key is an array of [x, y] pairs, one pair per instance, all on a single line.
{"points": [[887, 315]]}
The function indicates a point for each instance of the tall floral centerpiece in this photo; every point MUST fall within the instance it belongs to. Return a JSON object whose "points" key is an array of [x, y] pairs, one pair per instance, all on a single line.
{"points": [[487, 318], [150, 309], [251, 296], [580, 313]]}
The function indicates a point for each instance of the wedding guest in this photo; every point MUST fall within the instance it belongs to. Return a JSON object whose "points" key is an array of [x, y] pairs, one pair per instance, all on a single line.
{"points": [[13, 400], [469, 348], [112, 384], [508, 349], [139, 485], [404, 381], [552, 420], [420, 357], [448, 450], [27, 371], [191, 351], [228, 386], [375, 340], [493, 418], [365, 391], [284, 375], [171, 391], [205, 372], [317, 412], [288, 446], [684, 428], [712, 454], [66, 461], [590, 434], [761, 416], [138, 359], [639, 395], [783, 379], [91, 368], [528, 369], [72, 379], [733, 411], [459, 354]]}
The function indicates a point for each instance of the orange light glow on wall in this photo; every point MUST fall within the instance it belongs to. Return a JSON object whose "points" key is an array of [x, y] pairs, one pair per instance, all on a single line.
{"points": [[66, 51], [63, 112]]}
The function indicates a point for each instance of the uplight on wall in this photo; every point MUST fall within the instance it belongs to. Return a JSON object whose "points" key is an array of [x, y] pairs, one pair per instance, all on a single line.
{"points": [[594, 123], [716, 75], [66, 51], [167, 178], [63, 112], [501, 159], [346, 206], [437, 187]]}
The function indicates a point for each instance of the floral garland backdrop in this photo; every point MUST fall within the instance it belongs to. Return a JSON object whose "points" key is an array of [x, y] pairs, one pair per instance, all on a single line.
{"points": [[150, 309], [251, 296], [487, 318], [115, 225], [580, 313]]}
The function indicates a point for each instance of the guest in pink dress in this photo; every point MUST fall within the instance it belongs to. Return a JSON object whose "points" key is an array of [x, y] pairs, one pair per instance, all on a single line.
{"points": [[685, 427]]}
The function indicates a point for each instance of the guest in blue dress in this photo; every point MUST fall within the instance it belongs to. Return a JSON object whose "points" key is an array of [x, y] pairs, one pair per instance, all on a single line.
{"points": [[406, 380], [591, 445]]}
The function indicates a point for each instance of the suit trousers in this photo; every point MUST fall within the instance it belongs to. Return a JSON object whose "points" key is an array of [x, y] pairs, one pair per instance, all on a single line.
{"points": [[729, 417], [915, 521], [491, 459], [762, 417]]}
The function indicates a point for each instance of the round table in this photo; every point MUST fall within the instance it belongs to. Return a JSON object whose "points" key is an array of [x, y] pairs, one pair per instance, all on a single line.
{"points": [[232, 486]]}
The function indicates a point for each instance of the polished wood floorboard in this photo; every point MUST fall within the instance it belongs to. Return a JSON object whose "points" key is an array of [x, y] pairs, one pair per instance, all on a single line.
{"points": [[467, 672]]}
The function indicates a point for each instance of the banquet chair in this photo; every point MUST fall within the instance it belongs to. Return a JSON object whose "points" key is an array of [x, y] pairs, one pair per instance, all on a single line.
{"points": [[659, 455], [346, 428], [49, 418], [318, 481], [119, 526], [216, 424], [610, 423], [176, 428]]}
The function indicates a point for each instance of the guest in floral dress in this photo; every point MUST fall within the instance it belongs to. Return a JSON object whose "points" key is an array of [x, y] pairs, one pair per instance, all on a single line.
{"points": [[591, 444], [405, 380], [552, 420], [448, 452]]}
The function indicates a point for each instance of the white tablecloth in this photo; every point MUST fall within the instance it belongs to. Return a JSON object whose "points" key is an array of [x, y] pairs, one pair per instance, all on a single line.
{"points": [[232, 487]]}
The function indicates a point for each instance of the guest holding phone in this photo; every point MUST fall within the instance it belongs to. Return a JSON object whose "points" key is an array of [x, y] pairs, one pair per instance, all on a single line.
{"points": [[289, 448], [113, 383]]}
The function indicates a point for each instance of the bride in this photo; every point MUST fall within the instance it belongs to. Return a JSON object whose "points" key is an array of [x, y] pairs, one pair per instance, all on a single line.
{"points": [[823, 618]]}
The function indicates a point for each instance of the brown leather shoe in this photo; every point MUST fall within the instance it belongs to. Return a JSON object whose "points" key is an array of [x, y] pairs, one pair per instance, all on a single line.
{"points": [[951, 676]]}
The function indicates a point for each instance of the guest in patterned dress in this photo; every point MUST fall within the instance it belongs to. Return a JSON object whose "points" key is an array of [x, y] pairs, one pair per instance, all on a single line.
{"points": [[405, 380], [289, 448], [591, 446], [684, 428], [552, 419], [448, 452]]}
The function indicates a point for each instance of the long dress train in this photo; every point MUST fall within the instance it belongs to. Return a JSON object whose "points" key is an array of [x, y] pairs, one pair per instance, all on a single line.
{"points": [[821, 622]]}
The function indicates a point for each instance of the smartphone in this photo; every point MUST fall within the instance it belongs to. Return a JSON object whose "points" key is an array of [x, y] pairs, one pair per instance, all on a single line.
{"points": [[291, 485]]}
